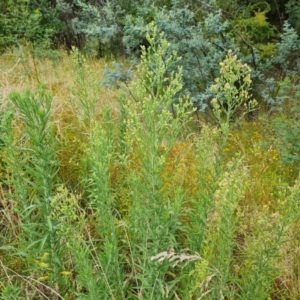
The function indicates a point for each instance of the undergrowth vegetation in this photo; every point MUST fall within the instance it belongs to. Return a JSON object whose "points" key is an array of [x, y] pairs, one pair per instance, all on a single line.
{"points": [[122, 195]]}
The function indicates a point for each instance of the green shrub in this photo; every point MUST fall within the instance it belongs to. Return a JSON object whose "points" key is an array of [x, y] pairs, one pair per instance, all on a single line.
{"points": [[26, 21], [293, 11], [288, 140]]}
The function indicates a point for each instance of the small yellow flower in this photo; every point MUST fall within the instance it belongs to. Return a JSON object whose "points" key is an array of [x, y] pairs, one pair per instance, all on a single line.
{"points": [[45, 256], [43, 264], [66, 273], [214, 87], [227, 86], [214, 101], [43, 278]]}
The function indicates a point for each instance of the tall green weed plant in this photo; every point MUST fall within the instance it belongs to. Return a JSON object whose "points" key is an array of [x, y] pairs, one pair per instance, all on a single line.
{"points": [[233, 99], [108, 252], [152, 129], [31, 172], [85, 89]]}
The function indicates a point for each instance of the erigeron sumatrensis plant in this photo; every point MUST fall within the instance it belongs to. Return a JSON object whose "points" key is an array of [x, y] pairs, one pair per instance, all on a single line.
{"points": [[233, 99]]}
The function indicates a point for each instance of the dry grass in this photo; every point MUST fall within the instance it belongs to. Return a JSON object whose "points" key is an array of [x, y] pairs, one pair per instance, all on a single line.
{"points": [[20, 71]]}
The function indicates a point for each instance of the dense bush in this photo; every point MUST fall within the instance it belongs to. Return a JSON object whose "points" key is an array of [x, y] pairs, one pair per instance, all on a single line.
{"points": [[27, 21], [202, 43], [293, 11], [201, 33]]}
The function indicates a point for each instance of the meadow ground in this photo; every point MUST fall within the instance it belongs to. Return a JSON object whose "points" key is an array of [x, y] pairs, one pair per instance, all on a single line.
{"points": [[143, 205]]}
